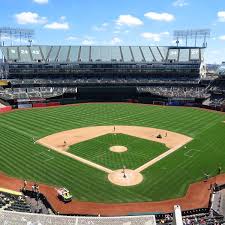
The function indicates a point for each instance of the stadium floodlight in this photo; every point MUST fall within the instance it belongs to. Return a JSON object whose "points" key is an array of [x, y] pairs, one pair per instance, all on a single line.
{"points": [[8, 33], [192, 34]]}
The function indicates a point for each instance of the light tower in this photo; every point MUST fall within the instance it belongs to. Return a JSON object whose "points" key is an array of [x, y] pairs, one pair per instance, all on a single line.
{"points": [[200, 34], [10, 34]]}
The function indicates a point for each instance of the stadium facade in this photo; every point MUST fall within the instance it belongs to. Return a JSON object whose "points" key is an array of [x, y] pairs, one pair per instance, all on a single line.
{"points": [[69, 74]]}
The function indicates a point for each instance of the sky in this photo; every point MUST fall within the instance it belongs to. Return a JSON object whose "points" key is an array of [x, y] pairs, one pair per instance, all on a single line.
{"points": [[117, 22]]}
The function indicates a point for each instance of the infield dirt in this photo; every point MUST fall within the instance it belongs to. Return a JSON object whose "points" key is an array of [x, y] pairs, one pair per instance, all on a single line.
{"points": [[61, 141]]}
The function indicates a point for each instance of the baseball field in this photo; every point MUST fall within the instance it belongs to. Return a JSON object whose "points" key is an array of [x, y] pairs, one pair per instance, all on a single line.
{"points": [[23, 157]]}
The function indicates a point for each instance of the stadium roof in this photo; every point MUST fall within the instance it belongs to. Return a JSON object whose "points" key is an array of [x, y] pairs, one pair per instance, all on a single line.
{"points": [[97, 54]]}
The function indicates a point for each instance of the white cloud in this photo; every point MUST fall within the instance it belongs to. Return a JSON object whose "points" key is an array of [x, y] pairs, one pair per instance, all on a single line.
{"points": [[165, 17], [222, 37], [151, 36], [180, 3], [30, 18], [88, 40], [105, 24], [221, 16], [62, 18], [72, 38], [102, 27], [128, 20], [115, 41], [154, 36], [116, 31], [165, 33], [57, 26], [41, 1]]}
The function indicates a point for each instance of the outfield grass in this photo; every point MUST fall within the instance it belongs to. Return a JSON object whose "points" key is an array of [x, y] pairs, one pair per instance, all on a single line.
{"points": [[139, 151], [169, 178]]}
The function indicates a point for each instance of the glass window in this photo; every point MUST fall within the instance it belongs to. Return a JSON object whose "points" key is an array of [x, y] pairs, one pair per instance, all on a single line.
{"points": [[106, 53], [74, 51], [13, 53], [147, 53], [24, 54], [202, 54], [184, 55], [84, 54], [4, 52], [137, 54], [156, 54], [195, 54], [35, 52], [53, 53], [96, 53], [63, 53], [115, 53], [173, 54], [164, 51], [127, 56], [45, 50]]}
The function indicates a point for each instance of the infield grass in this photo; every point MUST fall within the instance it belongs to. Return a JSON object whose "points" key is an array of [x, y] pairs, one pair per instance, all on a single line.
{"points": [[169, 178], [139, 151]]}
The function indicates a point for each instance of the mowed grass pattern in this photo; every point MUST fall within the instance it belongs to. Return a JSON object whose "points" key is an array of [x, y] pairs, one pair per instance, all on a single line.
{"points": [[169, 178], [139, 151]]}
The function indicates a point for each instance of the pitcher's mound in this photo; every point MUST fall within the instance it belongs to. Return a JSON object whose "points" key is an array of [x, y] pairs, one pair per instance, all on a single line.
{"points": [[131, 177], [118, 149]]}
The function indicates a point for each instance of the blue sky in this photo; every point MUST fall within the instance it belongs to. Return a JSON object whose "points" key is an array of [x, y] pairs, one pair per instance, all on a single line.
{"points": [[117, 22]]}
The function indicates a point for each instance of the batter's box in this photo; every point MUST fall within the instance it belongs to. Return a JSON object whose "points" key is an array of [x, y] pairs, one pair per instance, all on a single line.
{"points": [[191, 152]]}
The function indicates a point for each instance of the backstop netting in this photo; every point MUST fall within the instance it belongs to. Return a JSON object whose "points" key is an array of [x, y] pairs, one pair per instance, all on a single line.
{"points": [[15, 218]]}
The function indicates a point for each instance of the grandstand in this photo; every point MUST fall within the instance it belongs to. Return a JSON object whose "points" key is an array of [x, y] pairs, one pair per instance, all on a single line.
{"points": [[216, 89], [102, 73]]}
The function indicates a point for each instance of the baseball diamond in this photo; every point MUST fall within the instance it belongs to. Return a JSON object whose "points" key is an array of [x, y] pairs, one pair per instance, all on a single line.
{"points": [[166, 179]]}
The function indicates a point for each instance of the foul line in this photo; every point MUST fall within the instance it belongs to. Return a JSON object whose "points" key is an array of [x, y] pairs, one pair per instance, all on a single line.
{"points": [[85, 161], [141, 132], [188, 153], [160, 157]]}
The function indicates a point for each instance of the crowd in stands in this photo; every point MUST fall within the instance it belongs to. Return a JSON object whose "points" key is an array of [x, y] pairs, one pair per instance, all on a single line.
{"points": [[164, 87], [194, 219], [218, 86], [102, 80], [175, 92], [24, 93], [215, 101], [217, 93], [47, 88], [203, 219], [14, 203], [22, 203], [48, 92]]}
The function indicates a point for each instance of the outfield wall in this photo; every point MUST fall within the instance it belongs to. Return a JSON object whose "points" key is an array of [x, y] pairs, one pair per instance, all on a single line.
{"points": [[134, 101]]}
